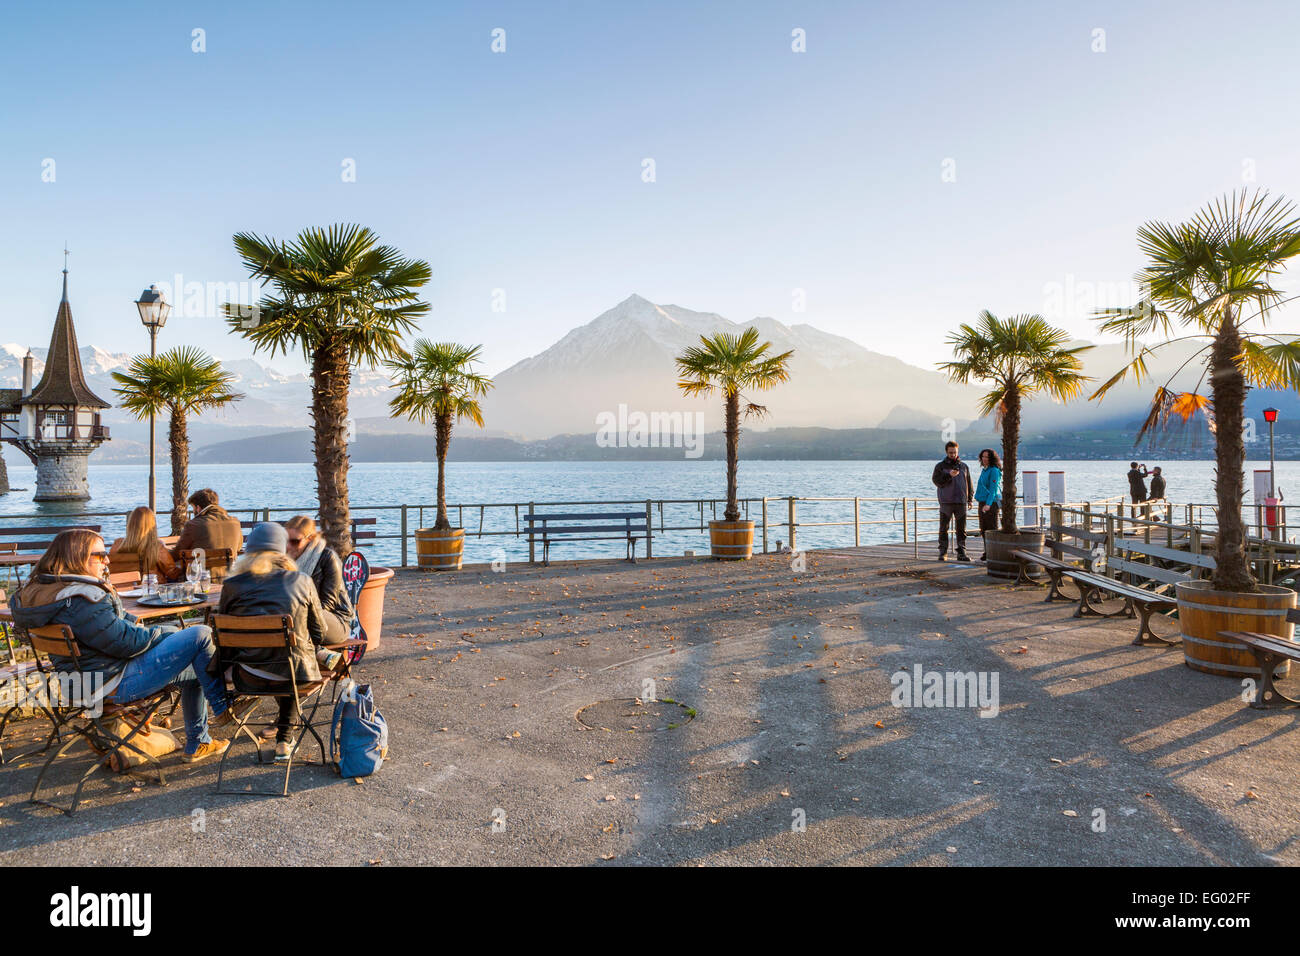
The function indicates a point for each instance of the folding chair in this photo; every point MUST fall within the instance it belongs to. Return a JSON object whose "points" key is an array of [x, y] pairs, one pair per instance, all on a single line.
{"points": [[125, 562], [233, 634], [124, 580], [216, 560], [89, 715]]}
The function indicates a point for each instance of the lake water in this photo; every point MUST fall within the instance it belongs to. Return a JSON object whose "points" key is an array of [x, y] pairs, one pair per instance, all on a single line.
{"points": [[287, 489]]}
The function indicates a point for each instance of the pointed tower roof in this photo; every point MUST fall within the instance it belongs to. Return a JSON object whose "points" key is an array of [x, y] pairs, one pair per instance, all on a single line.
{"points": [[64, 382]]}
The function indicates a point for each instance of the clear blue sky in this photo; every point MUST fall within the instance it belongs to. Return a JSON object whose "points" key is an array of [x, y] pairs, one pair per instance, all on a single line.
{"points": [[522, 170]]}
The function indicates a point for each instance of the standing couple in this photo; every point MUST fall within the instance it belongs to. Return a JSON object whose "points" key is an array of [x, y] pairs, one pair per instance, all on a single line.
{"points": [[957, 493]]}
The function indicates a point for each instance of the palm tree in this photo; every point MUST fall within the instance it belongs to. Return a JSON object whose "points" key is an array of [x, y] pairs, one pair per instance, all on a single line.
{"points": [[437, 382], [183, 381], [1213, 274], [730, 363], [342, 299], [1019, 357]]}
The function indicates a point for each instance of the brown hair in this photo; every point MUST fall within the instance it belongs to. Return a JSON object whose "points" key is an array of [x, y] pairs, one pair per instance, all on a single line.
{"points": [[303, 525], [203, 498], [69, 553], [142, 536]]}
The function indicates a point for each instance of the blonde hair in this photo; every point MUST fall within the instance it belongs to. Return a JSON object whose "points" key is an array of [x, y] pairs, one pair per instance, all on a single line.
{"points": [[262, 562], [142, 536], [303, 525]]}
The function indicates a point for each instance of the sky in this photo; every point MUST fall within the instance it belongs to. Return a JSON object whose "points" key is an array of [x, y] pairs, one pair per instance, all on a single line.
{"points": [[912, 165]]}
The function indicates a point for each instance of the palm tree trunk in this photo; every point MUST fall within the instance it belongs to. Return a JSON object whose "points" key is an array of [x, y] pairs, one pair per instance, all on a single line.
{"points": [[733, 446], [1010, 443], [442, 435], [1232, 572], [331, 375], [4, 477], [179, 439]]}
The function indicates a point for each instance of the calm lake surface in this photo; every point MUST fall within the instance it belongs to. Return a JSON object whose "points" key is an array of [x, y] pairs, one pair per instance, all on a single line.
{"points": [[288, 489]]}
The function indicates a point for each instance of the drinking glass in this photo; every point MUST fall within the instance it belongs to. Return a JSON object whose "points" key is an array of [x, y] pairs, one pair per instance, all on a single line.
{"points": [[149, 584]]}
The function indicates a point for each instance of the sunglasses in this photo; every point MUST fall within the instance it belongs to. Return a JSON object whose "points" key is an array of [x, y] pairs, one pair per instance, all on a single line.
{"points": [[102, 555], [295, 541]]}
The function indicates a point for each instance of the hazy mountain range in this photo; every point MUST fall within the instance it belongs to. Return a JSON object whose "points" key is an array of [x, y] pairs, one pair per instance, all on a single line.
{"points": [[625, 357]]}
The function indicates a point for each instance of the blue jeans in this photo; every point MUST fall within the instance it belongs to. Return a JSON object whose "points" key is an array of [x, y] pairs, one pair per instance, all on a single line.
{"points": [[179, 658]]}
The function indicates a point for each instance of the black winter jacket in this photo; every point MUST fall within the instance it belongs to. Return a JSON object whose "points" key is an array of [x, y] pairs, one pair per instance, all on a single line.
{"points": [[277, 592]]}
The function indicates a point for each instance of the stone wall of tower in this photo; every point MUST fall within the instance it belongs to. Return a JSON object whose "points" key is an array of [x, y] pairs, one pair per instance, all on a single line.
{"points": [[61, 472]]}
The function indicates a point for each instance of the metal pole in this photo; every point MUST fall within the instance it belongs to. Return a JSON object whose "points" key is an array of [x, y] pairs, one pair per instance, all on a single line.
{"points": [[857, 538], [403, 535], [532, 557], [153, 503], [1272, 487], [649, 553], [792, 547], [765, 524]]}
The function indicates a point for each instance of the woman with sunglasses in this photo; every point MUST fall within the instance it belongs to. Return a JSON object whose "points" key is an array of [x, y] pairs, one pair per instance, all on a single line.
{"points": [[68, 586], [313, 558]]}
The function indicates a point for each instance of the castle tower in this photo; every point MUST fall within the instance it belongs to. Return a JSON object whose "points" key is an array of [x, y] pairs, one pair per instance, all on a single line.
{"points": [[56, 424]]}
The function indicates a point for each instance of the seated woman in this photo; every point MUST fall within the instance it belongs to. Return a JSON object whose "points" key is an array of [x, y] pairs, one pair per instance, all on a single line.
{"points": [[264, 580], [319, 562], [142, 539], [67, 586]]}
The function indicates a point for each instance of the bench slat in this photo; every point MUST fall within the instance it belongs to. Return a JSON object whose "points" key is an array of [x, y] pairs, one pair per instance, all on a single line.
{"points": [[1095, 537], [1166, 554], [1162, 575], [587, 516], [581, 529], [1265, 642], [1123, 590]]}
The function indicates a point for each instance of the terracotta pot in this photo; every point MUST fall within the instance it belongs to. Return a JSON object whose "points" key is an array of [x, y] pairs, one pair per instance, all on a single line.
{"points": [[439, 550], [731, 540], [370, 605], [998, 545], [1203, 612]]}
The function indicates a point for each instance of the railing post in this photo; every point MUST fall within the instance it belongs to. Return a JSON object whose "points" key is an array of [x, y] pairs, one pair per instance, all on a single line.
{"points": [[916, 532], [905, 520], [649, 552], [857, 537], [1087, 516], [403, 535], [1146, 527], [765, 524], [1110, 535], [532, 557], [792, 545]]}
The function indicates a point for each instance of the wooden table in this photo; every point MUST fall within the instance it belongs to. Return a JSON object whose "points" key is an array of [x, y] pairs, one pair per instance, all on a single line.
{"points": [[12, 562], [144, 612]]}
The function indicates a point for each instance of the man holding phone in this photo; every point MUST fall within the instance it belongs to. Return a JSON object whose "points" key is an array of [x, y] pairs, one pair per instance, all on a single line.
{"points": [[956, 494]]}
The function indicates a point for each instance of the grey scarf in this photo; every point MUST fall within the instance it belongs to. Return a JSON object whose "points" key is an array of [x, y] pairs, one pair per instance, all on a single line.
{"points": [[310, 556]]}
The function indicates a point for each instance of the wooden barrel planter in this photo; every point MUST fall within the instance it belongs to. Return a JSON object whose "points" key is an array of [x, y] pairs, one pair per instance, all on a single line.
{"points": [[731, 540], [1203, 612], [998, 546], [439, 550], [370, 605]]}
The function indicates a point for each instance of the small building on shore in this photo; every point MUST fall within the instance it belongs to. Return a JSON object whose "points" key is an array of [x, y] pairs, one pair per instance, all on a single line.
{"points": [[56, 424]]}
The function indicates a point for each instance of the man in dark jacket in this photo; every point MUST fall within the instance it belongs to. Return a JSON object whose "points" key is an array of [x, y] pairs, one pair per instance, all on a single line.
{"points": [[1137, 487], [956, 495], [211, 529], [1157, 484]]}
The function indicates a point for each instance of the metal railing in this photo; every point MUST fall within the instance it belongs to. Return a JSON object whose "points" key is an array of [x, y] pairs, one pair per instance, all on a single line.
{"points": [[823, 521]]}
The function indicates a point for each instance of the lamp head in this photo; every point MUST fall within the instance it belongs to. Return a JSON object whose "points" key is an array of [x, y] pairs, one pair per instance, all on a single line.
{"points": [[153, 308]]}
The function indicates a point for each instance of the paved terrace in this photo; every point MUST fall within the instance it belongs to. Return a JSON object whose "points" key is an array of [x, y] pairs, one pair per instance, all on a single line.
{"points": [[483, 677]]}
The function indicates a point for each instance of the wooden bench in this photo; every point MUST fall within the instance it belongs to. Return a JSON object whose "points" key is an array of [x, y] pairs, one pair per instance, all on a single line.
{"points": [[1162, 579], [588, 526], [1090, 542], [1270, 653]]}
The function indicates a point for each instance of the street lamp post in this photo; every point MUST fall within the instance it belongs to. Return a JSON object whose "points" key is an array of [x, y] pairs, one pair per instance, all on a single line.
{"points": [[153, 313]]}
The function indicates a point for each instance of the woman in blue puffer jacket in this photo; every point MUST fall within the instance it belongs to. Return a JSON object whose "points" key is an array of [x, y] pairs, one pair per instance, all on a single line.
{"points": [[67, 587], [988, 493]]}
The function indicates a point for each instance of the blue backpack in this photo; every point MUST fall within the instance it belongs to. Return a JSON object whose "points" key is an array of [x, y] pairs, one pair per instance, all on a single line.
{"points": [[358, 733]]}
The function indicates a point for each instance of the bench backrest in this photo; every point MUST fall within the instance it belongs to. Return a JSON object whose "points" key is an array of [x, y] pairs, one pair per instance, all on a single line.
{"points": [[1088, 542], [28, 537], [581, 522], [1164, 553]]}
